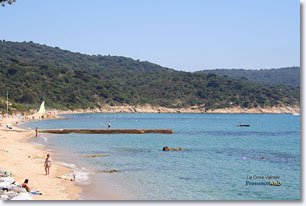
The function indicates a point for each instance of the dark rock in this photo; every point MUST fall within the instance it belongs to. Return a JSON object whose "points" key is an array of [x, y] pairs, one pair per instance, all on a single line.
{"points": [[172, 149], [166, 149], [110, 171]]}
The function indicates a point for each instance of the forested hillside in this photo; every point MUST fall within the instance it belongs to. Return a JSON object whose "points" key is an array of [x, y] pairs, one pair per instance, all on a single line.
{"points": [[287, 75], [32, 73]]}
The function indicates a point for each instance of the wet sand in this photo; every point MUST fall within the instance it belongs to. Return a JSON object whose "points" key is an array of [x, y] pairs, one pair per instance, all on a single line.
{"points": [[104, 187]]}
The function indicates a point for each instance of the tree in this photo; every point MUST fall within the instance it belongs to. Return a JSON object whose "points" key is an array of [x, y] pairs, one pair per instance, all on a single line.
{"points": [[10, 2], [69, 80]]}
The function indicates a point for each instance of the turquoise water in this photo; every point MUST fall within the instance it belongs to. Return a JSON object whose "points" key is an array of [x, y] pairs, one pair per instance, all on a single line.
{"points": [[218, 156]]}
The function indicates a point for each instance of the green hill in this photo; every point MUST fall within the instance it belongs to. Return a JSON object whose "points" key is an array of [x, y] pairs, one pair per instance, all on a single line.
{"points": [[66, 80], [287, 75]]}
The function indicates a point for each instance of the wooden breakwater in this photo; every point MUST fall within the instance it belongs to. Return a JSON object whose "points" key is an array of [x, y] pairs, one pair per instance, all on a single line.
{"points": [[107, 131]]}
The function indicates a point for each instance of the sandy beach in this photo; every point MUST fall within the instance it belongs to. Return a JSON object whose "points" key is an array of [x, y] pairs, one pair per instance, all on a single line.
{"points": [[26, 160]]}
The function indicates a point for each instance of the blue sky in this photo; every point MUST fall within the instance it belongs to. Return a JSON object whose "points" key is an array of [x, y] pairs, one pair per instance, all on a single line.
{"points": [[185, 35]]}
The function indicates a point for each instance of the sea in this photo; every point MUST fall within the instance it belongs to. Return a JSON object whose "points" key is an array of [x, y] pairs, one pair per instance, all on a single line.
{"points": [[219, 160]]}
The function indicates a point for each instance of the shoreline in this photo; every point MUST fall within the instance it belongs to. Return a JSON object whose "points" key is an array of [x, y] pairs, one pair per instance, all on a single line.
{"points": [[195, 109], [26, 161], [92, 187], [86, 178]]}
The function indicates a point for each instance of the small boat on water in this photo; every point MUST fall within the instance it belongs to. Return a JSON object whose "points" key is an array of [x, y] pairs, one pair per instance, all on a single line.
{"points": [[295, 114], [242, 125]]}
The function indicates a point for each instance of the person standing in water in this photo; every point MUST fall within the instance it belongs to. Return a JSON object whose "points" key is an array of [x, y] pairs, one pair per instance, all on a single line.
{"points": [[47, 164], [36, 132], [109, 124]]}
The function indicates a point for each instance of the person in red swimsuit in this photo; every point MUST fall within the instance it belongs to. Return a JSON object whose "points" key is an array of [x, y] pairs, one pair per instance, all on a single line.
{"points": [[25, 185]]}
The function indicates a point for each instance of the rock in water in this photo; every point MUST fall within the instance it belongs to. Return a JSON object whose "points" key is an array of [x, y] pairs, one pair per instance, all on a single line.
{"points": [[110, 171], [166, 149], [97, 155], [172, 149]]}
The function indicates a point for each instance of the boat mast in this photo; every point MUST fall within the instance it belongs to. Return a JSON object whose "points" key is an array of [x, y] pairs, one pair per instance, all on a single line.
{"points": [[6, 103]]}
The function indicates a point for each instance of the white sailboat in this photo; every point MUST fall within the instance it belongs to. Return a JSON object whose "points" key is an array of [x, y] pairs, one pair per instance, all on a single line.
{"points": [[42, 109]]}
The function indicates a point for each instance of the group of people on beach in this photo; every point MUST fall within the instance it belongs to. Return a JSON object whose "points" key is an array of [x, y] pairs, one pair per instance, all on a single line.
{"points": [[47, 166], [47, 163]]}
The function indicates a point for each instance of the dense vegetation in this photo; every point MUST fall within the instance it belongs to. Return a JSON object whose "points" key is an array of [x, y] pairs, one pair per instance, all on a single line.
{"points": [[10, 2], [32, 73], [288, 75]]}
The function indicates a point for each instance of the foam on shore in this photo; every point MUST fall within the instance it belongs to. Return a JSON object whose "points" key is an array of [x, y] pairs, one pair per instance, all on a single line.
{"points": [[82, 174]]}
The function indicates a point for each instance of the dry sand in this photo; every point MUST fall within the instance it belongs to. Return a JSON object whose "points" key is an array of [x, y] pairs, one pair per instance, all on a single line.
{"points": [[26, 160]]}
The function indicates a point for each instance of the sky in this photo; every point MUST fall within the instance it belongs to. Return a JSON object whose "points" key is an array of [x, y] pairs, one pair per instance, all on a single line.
{"points": [[188, 35]]}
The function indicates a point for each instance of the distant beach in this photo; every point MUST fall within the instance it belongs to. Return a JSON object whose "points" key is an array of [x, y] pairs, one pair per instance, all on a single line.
{"points": [[195, 109]]}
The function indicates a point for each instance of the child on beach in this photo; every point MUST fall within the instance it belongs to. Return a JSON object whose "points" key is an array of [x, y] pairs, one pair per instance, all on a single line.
{"points": [[25, 185], [47, 164]]}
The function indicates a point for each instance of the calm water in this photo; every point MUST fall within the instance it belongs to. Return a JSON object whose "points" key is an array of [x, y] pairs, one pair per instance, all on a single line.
{"points": [[218, 156]]}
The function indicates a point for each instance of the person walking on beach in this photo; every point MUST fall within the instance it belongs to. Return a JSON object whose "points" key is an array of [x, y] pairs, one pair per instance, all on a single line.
{"points": [[48, 164], [36, 132], [109, 125]]}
